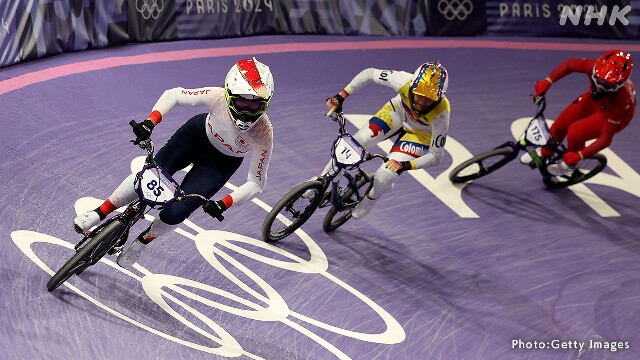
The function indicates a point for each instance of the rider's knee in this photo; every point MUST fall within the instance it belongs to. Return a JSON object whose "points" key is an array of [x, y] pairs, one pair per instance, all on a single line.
{"points": [[384, 180], [175, 213], [385, 175]]}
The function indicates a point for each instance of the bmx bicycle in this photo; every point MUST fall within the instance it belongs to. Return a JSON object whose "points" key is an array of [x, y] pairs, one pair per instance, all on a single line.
{"points": [[297, 206], [155, 189], [536, 135]]}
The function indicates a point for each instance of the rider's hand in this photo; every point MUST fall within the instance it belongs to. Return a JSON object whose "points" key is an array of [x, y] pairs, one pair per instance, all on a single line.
{"points": [[541, 87], [335, 103], [571, 158], [398, 166], [215, 209], [142, 131]]}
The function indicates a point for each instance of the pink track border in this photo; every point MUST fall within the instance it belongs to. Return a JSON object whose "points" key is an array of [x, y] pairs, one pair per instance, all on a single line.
{"points": [[35, 77]]}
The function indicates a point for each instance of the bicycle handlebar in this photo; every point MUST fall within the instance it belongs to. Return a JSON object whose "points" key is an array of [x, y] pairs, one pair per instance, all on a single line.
{"points": [[329, 113], [371, 156], [148, 145], [541, 101], [341, 120]]}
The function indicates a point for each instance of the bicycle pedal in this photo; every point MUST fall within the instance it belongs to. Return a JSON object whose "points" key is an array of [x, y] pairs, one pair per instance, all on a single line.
{"points": [[326, 196], [576, 174], [117, 250]]}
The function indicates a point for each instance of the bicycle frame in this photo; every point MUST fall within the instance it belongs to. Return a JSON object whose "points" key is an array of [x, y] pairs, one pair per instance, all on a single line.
{"points": [[347, 156], [155, 189], [344, 147], [134, 212], [536, 135], [146, 201]]}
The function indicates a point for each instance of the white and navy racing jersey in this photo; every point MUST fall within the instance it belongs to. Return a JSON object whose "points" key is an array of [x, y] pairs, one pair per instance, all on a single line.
{"points": [[224, 134]]}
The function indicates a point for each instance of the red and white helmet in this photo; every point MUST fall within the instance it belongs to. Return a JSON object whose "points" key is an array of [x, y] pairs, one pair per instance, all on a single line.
{"points": [[611, 70], [248, 90]]}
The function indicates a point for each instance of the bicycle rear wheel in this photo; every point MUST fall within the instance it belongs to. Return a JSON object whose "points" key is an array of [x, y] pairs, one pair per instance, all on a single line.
{"points": [[292, 210], [481, 165], [586, 169], [103, 240], [340, 213]]}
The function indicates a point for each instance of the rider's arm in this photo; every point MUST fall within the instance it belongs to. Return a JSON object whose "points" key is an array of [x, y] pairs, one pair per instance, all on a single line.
{"points": [[392, 79], [567, 67], [257, 175], [183, 97], [389, 78], [617, 114], [603, 141], [571, 66], [439, 129]]}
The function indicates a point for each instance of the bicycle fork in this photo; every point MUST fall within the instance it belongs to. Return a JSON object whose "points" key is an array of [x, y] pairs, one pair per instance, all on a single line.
{"points": [[131, 215]]}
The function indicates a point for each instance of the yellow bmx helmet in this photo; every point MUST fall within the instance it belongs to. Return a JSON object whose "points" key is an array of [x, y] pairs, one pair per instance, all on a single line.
{"points": [[430, 80]]}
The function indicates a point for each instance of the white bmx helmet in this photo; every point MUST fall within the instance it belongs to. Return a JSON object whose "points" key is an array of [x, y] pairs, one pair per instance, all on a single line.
{"points": [[248, 90]]}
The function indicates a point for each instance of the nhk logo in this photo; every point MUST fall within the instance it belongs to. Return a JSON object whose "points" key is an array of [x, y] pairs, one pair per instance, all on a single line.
{"points": [[574, 13]]}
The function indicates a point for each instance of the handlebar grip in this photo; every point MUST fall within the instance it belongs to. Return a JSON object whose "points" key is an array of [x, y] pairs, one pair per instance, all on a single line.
{"points": [[329, 113], [132, 123], [220, 217]]}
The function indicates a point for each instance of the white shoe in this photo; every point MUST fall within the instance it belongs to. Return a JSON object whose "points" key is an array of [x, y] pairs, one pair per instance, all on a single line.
{"points": [[526, 158], [363, 208], [131, 255], [309, 194], [560, 169], [84, 222]]}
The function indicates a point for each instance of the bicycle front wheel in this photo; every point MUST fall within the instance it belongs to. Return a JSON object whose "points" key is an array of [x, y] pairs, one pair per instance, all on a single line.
{"points": [[340, 213], [103, 240], [481, 165], [293, 210], [586, 169]]}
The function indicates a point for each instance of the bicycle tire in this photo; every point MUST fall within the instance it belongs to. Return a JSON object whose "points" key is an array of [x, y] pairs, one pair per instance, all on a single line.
{"points": [[482, 164], [285, 207], [89, 254], [587, 169], [329, 225]]}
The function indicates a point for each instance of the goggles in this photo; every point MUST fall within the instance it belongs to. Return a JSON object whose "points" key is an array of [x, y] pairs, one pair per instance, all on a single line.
{"points": [[604, 86], [250, 107]]}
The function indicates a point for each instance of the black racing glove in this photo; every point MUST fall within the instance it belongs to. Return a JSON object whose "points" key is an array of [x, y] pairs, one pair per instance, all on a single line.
{"points": [[404, 165], [398, 167], [142, 131], [335, 103], [215, 209]]}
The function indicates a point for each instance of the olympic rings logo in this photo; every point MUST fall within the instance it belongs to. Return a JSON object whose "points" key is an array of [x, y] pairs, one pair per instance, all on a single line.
{"points": [[150, 8], [452, 9]]}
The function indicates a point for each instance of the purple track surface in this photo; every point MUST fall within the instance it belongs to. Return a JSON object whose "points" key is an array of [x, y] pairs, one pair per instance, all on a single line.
{"points": [[434, 272]]}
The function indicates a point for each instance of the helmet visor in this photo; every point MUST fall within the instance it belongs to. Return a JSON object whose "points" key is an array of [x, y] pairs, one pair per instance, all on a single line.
{"points": [[244, 106], [603, 85]]}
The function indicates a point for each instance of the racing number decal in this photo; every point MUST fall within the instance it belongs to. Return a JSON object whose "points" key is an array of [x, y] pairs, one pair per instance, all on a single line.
{"points": [[346, 152], [153, 186], [384, 75]]}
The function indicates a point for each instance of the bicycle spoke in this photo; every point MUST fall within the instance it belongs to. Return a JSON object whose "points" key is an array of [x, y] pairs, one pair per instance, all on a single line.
{"points": [[341, 212], [292, 211], [482, 164]]}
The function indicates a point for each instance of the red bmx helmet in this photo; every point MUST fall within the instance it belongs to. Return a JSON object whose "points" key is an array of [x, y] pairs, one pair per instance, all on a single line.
{"points": [[611, 70]]}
